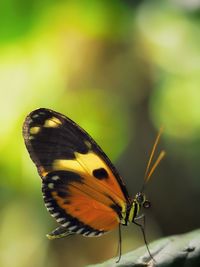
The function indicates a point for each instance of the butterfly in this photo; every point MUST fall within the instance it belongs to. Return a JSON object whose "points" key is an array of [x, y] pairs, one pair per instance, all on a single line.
{"points": [[81, 188]]}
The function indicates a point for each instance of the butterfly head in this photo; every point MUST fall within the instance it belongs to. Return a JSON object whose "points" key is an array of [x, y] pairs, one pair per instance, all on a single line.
{"points": [[133, 210], [141, 200]]}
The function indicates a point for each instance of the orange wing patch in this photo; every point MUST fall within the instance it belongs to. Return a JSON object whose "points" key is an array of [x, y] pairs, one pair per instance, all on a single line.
{"points": [[77, 205], [80, 205], [87, 165]]}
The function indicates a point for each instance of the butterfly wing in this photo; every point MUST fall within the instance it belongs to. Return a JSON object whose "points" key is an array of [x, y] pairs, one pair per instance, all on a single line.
{"points": [[76, 206], [88, 192]]}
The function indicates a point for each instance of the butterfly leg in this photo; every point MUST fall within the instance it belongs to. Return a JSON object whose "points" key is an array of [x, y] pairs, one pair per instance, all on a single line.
{"points": [[142, 216], [119, 245], [142, 227], [59, 232]]}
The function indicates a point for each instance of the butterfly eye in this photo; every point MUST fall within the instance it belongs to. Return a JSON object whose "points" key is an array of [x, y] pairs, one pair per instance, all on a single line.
{"points": [[140, 198], [147, 204]]}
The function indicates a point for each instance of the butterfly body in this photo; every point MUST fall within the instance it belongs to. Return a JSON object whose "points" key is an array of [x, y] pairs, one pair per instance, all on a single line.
{"points": [[82, 189]]}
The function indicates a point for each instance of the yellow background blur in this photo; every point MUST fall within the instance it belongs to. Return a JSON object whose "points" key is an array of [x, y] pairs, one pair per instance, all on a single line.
{"points": [[120, 69]]}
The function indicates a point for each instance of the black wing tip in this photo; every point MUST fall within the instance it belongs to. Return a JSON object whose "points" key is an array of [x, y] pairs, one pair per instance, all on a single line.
{"points": [[38, 110], [28, 119], [44, 110]]}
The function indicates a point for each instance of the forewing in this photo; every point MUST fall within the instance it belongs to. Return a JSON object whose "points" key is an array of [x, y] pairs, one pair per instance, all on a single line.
{"points": [[57, 143]]}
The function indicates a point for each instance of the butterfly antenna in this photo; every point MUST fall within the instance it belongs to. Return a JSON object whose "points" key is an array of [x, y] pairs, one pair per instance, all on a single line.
{"points": [[152, 152], [160, 157], [148, 173]]}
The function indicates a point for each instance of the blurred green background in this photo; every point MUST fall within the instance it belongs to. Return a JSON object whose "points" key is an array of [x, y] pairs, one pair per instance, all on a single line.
{"points": [[121, 69]]}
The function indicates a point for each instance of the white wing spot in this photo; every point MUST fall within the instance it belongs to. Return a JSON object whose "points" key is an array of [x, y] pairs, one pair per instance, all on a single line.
{"points": [[86, 233], [72, 227], [101, 233], [50, 208], [80, 230], [66, 224], [48, 204], [55, 214], [92, 234], [55, 177], [60, 219], [35, 116], [51, 185]]}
